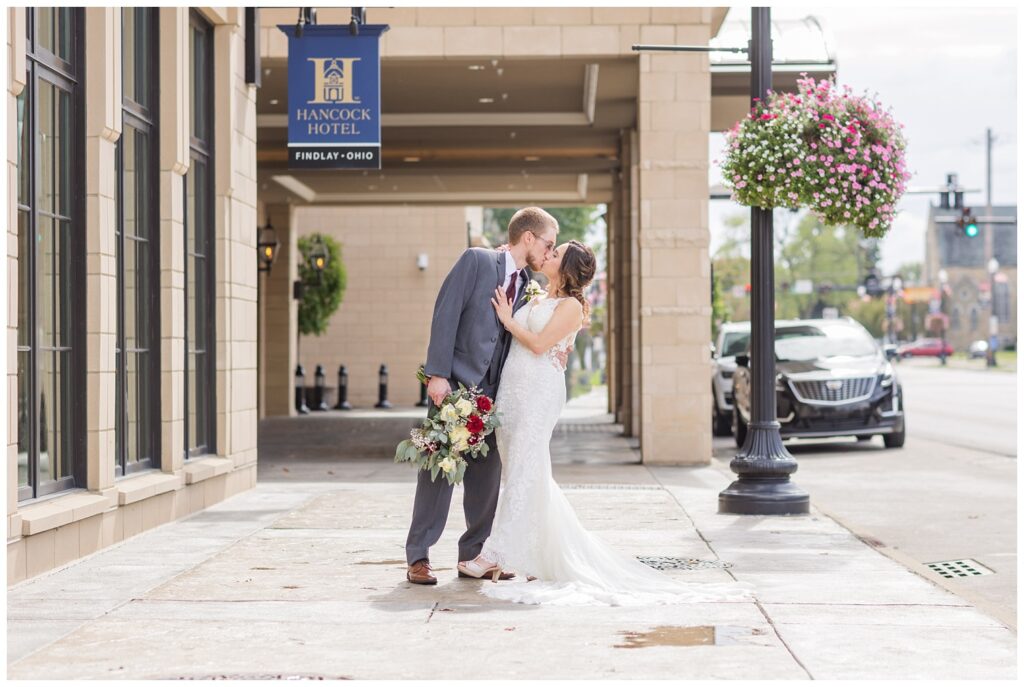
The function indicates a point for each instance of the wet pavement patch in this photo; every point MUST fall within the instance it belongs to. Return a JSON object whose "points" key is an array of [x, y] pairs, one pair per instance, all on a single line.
{"points": [[697, 635]]}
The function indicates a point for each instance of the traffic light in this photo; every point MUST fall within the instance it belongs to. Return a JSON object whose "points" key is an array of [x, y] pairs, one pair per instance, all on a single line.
{"points": [[967, 223]]}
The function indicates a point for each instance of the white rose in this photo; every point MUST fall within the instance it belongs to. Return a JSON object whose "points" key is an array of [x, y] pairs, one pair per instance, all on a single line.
{"points": [[464, 407], [449, 414]]}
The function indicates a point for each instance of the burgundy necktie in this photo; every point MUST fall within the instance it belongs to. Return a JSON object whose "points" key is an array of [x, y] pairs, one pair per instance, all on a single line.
{"points": [[510, 292]]}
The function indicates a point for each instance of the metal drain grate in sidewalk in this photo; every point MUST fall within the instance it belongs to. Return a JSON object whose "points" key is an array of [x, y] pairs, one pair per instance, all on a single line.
{"points": [[673, 563], [965, 567]]}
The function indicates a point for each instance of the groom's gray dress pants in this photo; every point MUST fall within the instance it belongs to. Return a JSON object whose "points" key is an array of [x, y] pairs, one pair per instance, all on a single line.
{"points": [[480, 490]]}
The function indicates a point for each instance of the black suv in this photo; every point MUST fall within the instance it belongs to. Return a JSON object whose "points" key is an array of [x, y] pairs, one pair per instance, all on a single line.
{"points": [[832, 380]]}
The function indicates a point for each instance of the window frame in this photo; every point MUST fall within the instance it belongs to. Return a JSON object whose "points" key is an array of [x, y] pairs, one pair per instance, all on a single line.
{"points": [[43, 66], [202, 150], [146, 120]]}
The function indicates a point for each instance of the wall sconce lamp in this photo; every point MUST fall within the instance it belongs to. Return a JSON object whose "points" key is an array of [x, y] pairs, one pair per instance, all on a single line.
{"points": [[267, 246]]}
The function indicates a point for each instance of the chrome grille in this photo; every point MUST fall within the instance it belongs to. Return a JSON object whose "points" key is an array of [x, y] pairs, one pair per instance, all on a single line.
{"points": [[833, 391]]}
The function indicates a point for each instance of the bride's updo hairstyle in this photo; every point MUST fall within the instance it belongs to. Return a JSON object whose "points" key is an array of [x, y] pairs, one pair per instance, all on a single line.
{"points": [[577, 271]]}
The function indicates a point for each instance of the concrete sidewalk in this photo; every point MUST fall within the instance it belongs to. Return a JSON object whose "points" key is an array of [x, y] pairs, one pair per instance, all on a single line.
{"points": [[305, 576], [306, 579]]}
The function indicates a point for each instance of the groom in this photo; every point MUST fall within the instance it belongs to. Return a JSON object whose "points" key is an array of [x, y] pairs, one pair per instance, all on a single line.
{"points": [[469, 345]]}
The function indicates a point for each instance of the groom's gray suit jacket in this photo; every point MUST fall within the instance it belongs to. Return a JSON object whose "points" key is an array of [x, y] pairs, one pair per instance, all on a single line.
{"points": [[468, 343]]}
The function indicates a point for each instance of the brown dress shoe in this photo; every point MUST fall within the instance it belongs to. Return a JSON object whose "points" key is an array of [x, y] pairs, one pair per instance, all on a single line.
{"points": [[419, 573], [505, 575]]}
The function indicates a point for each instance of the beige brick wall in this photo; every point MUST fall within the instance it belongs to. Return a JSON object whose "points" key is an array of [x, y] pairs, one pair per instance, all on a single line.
{"points": [[386, 311], [54, 531]]}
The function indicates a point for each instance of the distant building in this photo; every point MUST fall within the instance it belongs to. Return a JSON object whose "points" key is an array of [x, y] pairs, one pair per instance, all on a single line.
{"points": [[965, 261]]}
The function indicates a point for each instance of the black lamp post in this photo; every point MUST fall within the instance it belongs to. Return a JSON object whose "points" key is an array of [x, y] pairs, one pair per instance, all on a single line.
{"points": [[763, 464], [382, 388], [319, 384]]}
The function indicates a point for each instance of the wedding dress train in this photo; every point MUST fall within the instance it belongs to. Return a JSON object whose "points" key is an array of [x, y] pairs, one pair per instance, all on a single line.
{"points": [[535, 531]]}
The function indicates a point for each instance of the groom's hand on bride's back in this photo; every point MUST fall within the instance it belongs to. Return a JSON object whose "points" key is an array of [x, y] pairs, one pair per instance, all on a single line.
{"points": [[437, 389]]}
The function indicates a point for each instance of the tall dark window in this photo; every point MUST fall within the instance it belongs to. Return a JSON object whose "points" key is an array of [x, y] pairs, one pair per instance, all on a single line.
{"points": [[51, 374], [138, 246], [200, 292]]}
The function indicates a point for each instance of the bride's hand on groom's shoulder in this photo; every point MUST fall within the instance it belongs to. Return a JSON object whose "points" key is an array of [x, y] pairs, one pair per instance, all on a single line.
{"points": [[503, 248]]}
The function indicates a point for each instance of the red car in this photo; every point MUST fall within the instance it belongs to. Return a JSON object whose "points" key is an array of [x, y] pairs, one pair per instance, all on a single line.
{"points": [[924, 347]]}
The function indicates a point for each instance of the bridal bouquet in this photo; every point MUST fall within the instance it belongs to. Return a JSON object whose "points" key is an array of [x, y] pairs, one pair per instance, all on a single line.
{"points": [[442, 443]]}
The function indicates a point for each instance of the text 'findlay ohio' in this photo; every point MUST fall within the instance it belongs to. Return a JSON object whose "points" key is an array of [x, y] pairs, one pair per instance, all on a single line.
{"points": [[332, 121]]}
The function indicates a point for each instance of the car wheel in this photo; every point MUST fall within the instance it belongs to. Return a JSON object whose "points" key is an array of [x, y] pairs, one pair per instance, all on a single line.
{"points": [[739, 428], [721, 423], [896, 439]]}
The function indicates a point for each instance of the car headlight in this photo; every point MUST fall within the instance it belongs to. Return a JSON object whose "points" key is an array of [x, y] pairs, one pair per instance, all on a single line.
{"points": [[888, 375], [780, 382]]}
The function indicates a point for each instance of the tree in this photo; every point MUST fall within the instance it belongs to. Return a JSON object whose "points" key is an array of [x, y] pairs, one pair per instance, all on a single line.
{"points": [[323, 291], [573, 222]]}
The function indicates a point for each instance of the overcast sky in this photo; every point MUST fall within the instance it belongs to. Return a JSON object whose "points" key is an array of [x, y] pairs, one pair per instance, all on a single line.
{"points": [[948, 74]]}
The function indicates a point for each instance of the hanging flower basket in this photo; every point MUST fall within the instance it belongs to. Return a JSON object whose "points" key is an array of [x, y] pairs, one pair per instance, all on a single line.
{"points": [[835, 153]]}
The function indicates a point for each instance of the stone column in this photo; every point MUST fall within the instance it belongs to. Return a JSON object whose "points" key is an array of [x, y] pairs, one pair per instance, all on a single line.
{"points": [[675, 312], [280, 316], [174, 162], [236, 235], [102, 130], [16, 82]]}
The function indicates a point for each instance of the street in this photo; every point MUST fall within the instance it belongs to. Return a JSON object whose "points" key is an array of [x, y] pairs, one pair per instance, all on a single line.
{"points": [[949, 494]]}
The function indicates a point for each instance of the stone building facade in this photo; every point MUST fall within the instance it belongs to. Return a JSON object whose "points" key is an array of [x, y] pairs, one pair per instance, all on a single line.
{"points": [[131, 273]]}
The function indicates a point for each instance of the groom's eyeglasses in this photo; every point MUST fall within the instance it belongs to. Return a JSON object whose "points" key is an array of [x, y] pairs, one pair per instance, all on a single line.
{"points": [[549, 245]]}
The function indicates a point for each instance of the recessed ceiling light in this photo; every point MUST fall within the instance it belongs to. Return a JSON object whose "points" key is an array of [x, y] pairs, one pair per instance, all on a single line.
{"points": [[411, 158], [476, 67], [531, 158], [486, 100], [504, 96], [274, 101], [372, 187]]}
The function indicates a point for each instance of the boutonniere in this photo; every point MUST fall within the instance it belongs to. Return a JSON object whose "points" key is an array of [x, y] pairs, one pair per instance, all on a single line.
{"points": [[532, 290]]}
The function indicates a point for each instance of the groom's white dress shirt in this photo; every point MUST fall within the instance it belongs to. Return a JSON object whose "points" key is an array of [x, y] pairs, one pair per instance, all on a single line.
{"points": [[510, 269]]}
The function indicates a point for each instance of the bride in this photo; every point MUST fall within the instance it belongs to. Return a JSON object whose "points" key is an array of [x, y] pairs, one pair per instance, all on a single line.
{"points": [[535, 530]]}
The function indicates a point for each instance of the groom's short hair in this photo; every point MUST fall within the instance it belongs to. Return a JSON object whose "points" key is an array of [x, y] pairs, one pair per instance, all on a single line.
{"points": [[529, 219]]}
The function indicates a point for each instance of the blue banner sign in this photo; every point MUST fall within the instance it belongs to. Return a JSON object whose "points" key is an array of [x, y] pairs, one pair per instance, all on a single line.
{"points": [[334, 96]]}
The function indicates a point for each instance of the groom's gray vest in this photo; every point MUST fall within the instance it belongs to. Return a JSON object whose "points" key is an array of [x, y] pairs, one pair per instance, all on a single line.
{"points": [[468, 343]]}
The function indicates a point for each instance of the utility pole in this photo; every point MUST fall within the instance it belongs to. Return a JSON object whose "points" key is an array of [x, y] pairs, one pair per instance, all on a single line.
{"points": [[990, 264]]}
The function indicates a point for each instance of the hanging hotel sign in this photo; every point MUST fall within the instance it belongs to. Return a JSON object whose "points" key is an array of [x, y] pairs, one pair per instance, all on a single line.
{"points": [[334, 96]]}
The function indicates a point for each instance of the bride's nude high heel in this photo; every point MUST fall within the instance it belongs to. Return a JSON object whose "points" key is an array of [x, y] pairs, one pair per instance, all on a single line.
{"points": [[474, 569]]}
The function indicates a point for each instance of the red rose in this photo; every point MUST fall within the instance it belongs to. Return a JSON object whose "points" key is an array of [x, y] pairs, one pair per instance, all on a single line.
{"points": [[473, 440], [483, 404], [475, 424]]}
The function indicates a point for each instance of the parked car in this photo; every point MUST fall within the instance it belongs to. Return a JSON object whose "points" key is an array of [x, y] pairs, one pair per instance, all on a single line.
{"points": [[832, 380], [925, 347], [732, 339], [978, 349]]}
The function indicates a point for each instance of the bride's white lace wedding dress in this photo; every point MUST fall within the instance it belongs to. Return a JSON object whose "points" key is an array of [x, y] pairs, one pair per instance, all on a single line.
{"points": [[535, 530]]}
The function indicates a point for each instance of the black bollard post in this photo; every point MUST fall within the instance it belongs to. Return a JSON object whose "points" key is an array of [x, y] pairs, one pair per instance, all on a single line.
{"points": [[300, 390], [343, 403], [319, 381], [423, 403], [382, 394]]}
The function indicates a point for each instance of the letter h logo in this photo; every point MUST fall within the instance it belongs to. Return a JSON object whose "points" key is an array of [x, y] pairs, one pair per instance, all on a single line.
{"points": [[333, 80]]}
